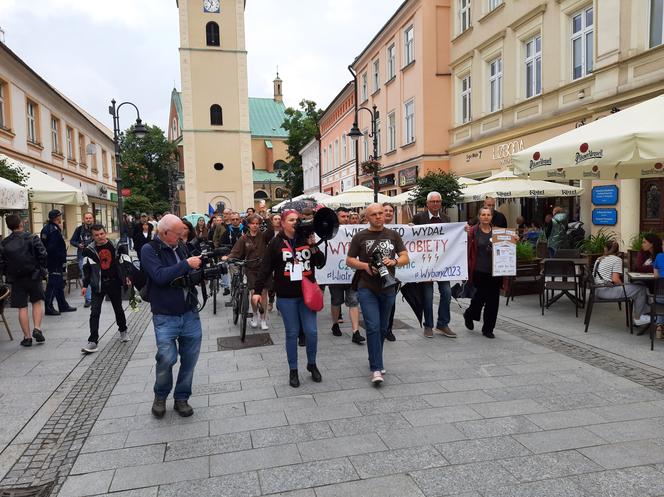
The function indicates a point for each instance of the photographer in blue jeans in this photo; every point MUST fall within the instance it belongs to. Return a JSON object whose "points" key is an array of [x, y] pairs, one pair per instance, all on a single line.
{"points": [[373, 251], [177, 326]]}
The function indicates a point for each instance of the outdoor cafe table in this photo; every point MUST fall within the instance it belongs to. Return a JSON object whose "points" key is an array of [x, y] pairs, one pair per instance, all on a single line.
{"points": [[579, 262]]}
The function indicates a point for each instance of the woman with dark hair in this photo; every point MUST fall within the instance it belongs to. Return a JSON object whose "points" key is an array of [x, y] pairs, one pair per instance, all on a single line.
{"points": [[650, 247], [142, 235], [201, 230], [192, 242], [480, 260], [289, 259], [608, 272]]}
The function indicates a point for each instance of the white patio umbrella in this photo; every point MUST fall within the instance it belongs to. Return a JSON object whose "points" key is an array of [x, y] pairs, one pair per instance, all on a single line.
{"points": [[12, 196], [409, 196], [626, 145], [358, 196], [507, 185], [317, 196]]}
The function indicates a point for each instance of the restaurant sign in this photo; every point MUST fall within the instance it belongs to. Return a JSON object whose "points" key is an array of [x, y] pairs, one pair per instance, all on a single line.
{"points": [[408, 176], [387, 180], [605, 217], [605, 195]]}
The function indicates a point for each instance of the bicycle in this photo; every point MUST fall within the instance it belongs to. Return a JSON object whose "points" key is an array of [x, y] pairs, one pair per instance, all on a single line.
{"points": [[240, 295]]}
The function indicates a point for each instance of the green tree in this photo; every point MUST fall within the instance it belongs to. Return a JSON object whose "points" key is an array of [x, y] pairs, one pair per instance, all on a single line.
{"points": [[137, 203], [161, 206], [447, 184], [12, 173], [148, 163], [302, 126]]}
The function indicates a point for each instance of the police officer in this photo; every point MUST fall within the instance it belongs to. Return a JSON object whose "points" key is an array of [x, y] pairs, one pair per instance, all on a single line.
{"points": [[51, 237]]}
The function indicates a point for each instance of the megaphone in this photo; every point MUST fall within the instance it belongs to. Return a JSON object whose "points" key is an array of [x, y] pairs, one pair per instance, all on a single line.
{"points": [[325, 224]]}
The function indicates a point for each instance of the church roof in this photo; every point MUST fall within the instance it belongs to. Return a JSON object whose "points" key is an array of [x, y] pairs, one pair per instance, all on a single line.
{"points": [[266, 116]]}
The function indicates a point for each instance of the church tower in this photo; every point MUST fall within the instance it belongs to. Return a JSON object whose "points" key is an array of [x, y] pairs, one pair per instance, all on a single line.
{"points": [[215, 104]]}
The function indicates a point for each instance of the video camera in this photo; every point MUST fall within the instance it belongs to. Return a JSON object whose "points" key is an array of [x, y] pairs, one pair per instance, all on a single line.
{"points": [[210, 269], [386, 278]]}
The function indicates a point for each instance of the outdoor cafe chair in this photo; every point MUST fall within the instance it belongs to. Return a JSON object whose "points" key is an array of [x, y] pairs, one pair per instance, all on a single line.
{"points": [[527, 274], [5, 292], [594, 299], [566, 271], [656, 308]]}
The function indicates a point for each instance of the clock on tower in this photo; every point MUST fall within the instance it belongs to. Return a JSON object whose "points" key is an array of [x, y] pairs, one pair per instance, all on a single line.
{"points": [[211, 6]]}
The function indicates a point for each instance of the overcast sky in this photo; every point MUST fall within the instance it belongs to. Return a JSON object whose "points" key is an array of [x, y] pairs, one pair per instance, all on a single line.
{"points": [[95, 50]]}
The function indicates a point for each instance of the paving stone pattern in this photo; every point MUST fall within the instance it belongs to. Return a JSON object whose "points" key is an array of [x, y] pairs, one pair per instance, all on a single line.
{"points": [[51, 455]]}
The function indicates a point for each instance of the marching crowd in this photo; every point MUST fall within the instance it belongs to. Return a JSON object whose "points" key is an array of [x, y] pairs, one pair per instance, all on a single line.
{"points": [[281, 262]]}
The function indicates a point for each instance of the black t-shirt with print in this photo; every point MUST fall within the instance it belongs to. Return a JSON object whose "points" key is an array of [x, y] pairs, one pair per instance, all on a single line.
{"points": [[390, 245], [107, 262]]}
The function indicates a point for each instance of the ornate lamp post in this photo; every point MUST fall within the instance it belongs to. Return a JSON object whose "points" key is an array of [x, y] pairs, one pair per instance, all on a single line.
{"points": [[355, 134], [139, 131]]}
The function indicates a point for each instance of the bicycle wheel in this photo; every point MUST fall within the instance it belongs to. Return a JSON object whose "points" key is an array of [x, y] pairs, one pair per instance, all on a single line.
{"points": [[245, 310], [237, 306]]}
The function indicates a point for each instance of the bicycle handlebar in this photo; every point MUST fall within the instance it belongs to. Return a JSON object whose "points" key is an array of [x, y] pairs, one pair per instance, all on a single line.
{"points": [[241, 262]]}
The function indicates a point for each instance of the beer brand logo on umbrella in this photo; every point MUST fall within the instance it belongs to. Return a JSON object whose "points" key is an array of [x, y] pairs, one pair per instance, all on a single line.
{"points": [[593, 173], [537, 161], [656, 170], [558, 173], [585, 153]]}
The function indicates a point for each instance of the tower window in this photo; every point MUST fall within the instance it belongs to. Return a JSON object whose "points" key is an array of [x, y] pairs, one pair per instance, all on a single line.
{"points": [[216, 116], [212, 34]]}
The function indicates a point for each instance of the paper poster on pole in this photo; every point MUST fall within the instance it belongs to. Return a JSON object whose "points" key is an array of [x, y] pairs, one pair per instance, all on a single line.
{"points": [[504, 252], [437, 252]]}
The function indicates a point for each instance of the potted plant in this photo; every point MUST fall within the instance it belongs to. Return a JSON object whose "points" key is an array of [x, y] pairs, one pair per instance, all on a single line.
{"points": [[525, 253], [527, 264], [542, 249], [593, 246]]}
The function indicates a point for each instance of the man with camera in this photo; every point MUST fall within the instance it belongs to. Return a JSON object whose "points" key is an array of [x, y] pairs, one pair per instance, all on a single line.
{"points": [[374, 253], [177, 325], [340, 294]]}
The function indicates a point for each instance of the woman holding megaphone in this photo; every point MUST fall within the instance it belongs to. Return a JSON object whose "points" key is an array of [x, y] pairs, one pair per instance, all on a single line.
{"points": [[291, 258]]}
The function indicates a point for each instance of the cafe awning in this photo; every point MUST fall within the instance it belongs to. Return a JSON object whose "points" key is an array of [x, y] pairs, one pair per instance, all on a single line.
{"points": [[45, 189], [12, 196]]}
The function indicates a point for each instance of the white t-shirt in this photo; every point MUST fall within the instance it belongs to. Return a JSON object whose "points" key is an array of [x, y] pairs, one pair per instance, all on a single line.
{"points": [[605, 266]]}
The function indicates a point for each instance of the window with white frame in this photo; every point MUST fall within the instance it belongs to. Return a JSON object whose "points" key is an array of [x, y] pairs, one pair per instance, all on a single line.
{"points": [[325, 164], [409, 45], [391, 131], [533, 61], [330, 159], [494, 3], [3, 111], [337, 157], [31, 114], [464, 15], [378, 134], [55, 134], [582, 43], [365, 145], [656, 22], [391, 61], [409, 121], [376, 74], [82, 159], [352, 149], [364, 91], [495, 84], [70, 143], [465, 97], [344, 150]]}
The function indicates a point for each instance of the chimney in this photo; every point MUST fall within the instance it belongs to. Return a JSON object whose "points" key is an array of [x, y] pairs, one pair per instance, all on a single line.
{"points": [[278, 93]]}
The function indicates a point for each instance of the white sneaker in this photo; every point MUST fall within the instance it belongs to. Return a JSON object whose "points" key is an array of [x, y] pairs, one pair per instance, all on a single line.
{"points": [[383, 371], [264, 325], [376, 377], [89, 348], [253, 323], [124, 337], [642, 321]]}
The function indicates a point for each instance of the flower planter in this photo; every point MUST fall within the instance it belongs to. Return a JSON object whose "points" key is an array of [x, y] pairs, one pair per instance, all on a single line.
{"points": [[523, 269]]}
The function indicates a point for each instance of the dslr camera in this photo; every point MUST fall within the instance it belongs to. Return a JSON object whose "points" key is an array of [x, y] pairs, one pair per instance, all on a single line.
{"points": [[386, 278]]}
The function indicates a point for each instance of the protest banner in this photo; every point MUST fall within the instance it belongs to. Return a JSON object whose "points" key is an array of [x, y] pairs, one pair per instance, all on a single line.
{"points": [[437, 252]]}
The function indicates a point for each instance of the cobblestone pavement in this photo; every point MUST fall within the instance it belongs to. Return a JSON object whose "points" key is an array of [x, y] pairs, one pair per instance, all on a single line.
{"points": [[528, 414]]}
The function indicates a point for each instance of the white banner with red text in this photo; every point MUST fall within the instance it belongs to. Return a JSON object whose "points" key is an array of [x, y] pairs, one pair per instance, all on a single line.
{"points": [[437, 252]]}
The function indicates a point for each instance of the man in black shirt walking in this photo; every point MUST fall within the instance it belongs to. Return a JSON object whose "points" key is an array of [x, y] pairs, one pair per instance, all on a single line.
{"points": [[102, 272]]}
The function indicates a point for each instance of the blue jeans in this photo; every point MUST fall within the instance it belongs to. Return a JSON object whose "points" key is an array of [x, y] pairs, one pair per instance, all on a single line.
{"points": [[443, 305], [298, 316], [88, 292], [376, 309], [176, 334]]}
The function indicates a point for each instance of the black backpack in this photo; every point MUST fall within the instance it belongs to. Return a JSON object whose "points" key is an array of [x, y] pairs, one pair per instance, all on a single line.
{"points": [[20, 261]]}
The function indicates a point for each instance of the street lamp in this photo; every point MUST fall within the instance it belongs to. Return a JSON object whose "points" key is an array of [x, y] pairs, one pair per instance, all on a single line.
{"points": [[139, 132], [355, 134]]}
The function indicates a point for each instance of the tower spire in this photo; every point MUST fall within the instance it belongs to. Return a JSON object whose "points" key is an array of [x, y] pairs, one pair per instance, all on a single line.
{"points": [[278, 90]]}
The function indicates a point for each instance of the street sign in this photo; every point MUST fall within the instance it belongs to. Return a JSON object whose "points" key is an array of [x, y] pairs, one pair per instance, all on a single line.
{"points": [[126, 192]]}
